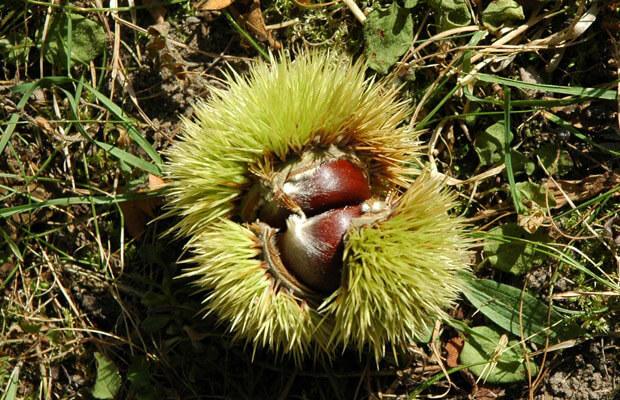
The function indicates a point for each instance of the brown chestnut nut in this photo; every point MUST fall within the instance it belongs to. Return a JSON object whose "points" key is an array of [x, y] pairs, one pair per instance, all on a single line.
{"points": [[332, 184], [312, 248]]}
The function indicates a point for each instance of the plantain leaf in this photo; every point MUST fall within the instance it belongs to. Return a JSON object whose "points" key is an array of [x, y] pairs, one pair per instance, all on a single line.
{"points": [[490, 144], [108, 381], [388, 34], [450, 13], [73, 40], [535, 192], [490, 149], [500, 13], [512, 249], [15, 47], [501, 304], [492, 361], [548, 155]]}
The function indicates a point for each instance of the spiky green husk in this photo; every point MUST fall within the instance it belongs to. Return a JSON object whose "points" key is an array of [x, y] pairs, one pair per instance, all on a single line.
{"points": [[400, 272]]}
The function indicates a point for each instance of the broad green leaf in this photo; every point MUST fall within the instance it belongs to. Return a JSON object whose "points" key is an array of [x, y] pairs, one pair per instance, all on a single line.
{"points": [[156, 322], [73, 38], [108, 381], [535, 192], [548, 155], [410, 3], [521, 163], [500, 13], [450, 13], [10, 390], [501, 304], [388, 34], [15, 47], [490, 149], [138, 372], [424, 334], [493, 361], [490, 144], [511, 249], [152, 299]]}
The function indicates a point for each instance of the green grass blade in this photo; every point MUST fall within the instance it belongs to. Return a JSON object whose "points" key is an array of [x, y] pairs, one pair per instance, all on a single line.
{"points": [[27, 89], [131, 129], [118, 113], [599, 93], [67, 7], [420, 125], [246, 36], [130, 158], [507, 151], [69, 201], [10, 390], [114, 151], [596, 200]]}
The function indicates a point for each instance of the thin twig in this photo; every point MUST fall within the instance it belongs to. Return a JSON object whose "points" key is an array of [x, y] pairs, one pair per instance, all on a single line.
{"points": [[357, 12]]}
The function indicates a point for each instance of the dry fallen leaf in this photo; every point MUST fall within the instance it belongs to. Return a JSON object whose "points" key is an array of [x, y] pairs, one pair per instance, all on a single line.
{"points": [[534, 218], [214, 5], [249, 15], [584, 189], [158, 13], [137, 213], [453, 348], [165, 56], [612, 231]]}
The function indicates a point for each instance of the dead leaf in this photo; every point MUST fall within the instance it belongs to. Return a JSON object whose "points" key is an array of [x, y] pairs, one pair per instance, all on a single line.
{"points": [[158, 13], [534, 218], [453, 348], [137, 213], [487, 393], [248, 13], [584, 189], [612, 230], [166, 57], [214, 5]]}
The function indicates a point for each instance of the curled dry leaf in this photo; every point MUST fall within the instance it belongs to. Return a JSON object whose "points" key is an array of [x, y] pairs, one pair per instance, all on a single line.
{"points": [[165, 56], [248, 13], [158, 13], [214, 5], [612, 230], [137, 213], [534, 218], [584, 189], [454, 347]]}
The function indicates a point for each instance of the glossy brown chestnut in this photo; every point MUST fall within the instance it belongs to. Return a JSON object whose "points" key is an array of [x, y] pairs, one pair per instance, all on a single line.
{"points": [[312, 248], [332, 184]]}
